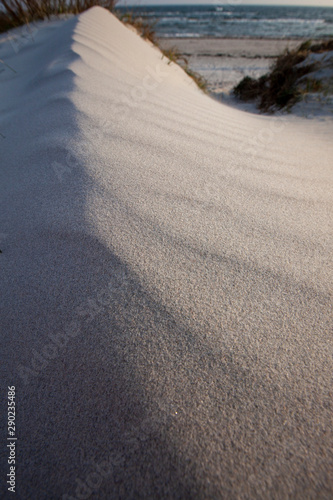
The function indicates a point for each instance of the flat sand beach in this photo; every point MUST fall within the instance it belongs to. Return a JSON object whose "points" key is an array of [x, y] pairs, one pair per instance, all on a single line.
{"points": [[223, 62], [166, 276]]}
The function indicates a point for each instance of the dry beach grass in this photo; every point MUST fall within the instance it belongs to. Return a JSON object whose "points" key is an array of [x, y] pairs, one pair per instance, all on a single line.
{"points": [[18, 12], [289, 78]]}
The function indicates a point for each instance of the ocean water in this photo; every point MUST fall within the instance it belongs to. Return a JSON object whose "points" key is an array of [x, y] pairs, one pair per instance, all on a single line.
{"points": [[238, 21]]}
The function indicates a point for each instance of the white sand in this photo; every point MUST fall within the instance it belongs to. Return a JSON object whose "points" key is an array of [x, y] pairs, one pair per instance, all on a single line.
{"points": [[166, 279]]}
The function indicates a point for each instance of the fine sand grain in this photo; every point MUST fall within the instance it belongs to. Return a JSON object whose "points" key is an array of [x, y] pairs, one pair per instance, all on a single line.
{"points": [[166, 276]]}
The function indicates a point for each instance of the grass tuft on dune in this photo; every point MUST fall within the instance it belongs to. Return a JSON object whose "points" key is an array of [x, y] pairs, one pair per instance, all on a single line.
{"points": [[296, 73]]}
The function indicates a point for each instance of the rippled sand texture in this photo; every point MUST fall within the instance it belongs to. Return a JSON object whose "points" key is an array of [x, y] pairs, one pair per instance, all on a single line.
{"points": [[166, 276]]}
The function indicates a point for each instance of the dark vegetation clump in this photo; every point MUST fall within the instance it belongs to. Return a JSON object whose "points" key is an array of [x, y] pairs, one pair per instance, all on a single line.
{"points": [[281, 87]]}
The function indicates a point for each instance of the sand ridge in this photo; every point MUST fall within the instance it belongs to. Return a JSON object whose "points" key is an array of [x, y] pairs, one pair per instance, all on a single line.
{"points": [[166, 275]]}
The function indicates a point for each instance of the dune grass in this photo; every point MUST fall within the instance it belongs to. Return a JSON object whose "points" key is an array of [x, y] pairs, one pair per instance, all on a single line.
{"points": [[281, 88], [146, 30], [175, 56], [18, 12]]}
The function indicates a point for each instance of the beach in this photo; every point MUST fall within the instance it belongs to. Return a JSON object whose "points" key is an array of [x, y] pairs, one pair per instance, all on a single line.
{"points": [[166, 272], [224, 62]]}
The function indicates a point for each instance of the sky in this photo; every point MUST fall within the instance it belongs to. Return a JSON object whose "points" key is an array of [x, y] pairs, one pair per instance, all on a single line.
{"points": [[314, 3]]}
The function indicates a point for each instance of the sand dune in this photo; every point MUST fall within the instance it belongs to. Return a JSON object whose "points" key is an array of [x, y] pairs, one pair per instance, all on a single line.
{"points": [[166, 275]]}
